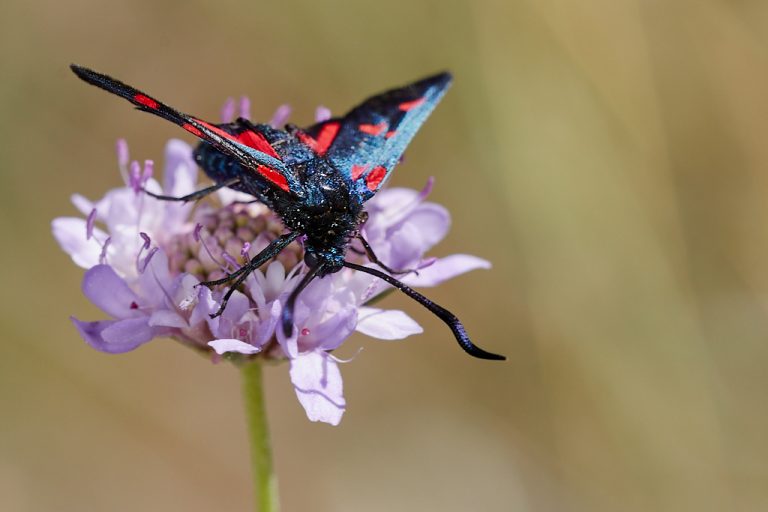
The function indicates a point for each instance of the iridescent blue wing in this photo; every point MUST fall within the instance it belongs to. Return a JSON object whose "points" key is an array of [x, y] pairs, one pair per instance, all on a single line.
{"points": [[368, 142], [250, 148]]}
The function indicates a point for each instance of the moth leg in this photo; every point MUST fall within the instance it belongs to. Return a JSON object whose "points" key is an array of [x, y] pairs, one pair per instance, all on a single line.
{"points": [[286, 316], [198, 194], [374, 259], [240, 275], [443, 314]]}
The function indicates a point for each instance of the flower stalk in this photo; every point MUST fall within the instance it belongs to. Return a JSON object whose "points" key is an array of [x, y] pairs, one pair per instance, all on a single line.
{"points": [[264, 477]]}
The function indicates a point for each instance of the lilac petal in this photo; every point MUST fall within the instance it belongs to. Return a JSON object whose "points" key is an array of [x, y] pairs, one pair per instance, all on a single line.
{"points": [[428, 186], [224, 326], [390, 205], [121, 148], [91, 332], [105, 289], [228, 196], [245, 107], [125, 335], [228, 111], [156, 281], [274, 280], [237, 306], [167, 318], [95, 334], [319, 388], [269, 316], [223, 346], [280, 117], [70, 234], [322, 114], [332, 332], [386, 324], [206, 305], [180, 171], [82, 203], [415, 234], [445, 269]]}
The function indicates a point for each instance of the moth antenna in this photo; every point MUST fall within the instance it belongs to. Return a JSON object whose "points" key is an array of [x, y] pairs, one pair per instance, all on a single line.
{"points": [[443, 314], [287, 313]]}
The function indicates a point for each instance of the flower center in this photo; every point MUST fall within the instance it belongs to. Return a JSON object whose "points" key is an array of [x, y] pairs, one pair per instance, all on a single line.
{"points": [[225, 239]]}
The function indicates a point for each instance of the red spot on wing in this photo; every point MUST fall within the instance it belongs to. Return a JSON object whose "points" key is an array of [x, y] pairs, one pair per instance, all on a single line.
{"points": [[273, 176], [390, 134], [410, 105], [267, 172], [248, 138], [308, 140], [325, 138], [192, 129], [375, 177], [357, 171], [145, 100], [373, 129], [258, 142]]}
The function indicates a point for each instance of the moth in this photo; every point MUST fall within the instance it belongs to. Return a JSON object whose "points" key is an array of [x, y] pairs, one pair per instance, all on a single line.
{"points": [[316, 179]]}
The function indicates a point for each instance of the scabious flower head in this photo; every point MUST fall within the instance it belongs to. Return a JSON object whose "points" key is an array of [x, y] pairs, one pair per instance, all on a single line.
{"points": [[144, 259]]}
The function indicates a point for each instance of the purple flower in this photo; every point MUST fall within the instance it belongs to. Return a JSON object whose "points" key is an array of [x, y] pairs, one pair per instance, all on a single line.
{"points": [[144, 258]]}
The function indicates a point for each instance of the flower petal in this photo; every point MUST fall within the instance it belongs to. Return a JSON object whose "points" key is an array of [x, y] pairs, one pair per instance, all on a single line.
{"points": [[167, 318], [105, 335], [70, 233], [386, 324], [433, 222], [125, 335], [180, 173], [228, 196], [280, 117], [156, 283], [223, 346], [331, 333], [319, 388], [108, 291], [82, 203], [445, 269]]}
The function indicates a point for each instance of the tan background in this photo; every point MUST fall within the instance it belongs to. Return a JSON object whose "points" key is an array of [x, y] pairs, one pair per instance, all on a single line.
{"points": [[609, 156]]}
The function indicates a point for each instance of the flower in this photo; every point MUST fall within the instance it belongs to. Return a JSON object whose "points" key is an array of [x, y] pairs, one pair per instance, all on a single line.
{"points": [[144, 259]]}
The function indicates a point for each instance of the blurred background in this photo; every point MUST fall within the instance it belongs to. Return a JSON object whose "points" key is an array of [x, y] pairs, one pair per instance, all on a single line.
{"points": [[608, 156]]}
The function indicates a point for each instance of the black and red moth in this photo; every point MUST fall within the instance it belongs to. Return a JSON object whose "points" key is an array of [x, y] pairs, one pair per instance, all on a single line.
{"points": [[317, 179]]}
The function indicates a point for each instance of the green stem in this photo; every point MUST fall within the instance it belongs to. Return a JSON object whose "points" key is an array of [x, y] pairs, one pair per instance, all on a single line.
{"points": [[264, 478]]}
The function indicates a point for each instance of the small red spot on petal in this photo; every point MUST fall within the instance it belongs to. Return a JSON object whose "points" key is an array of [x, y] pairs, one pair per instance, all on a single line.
{"points": [[357, 171], [134, 305], [410, 105], [373, 129], [146, 101], [375, 177], [304, 331]]}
